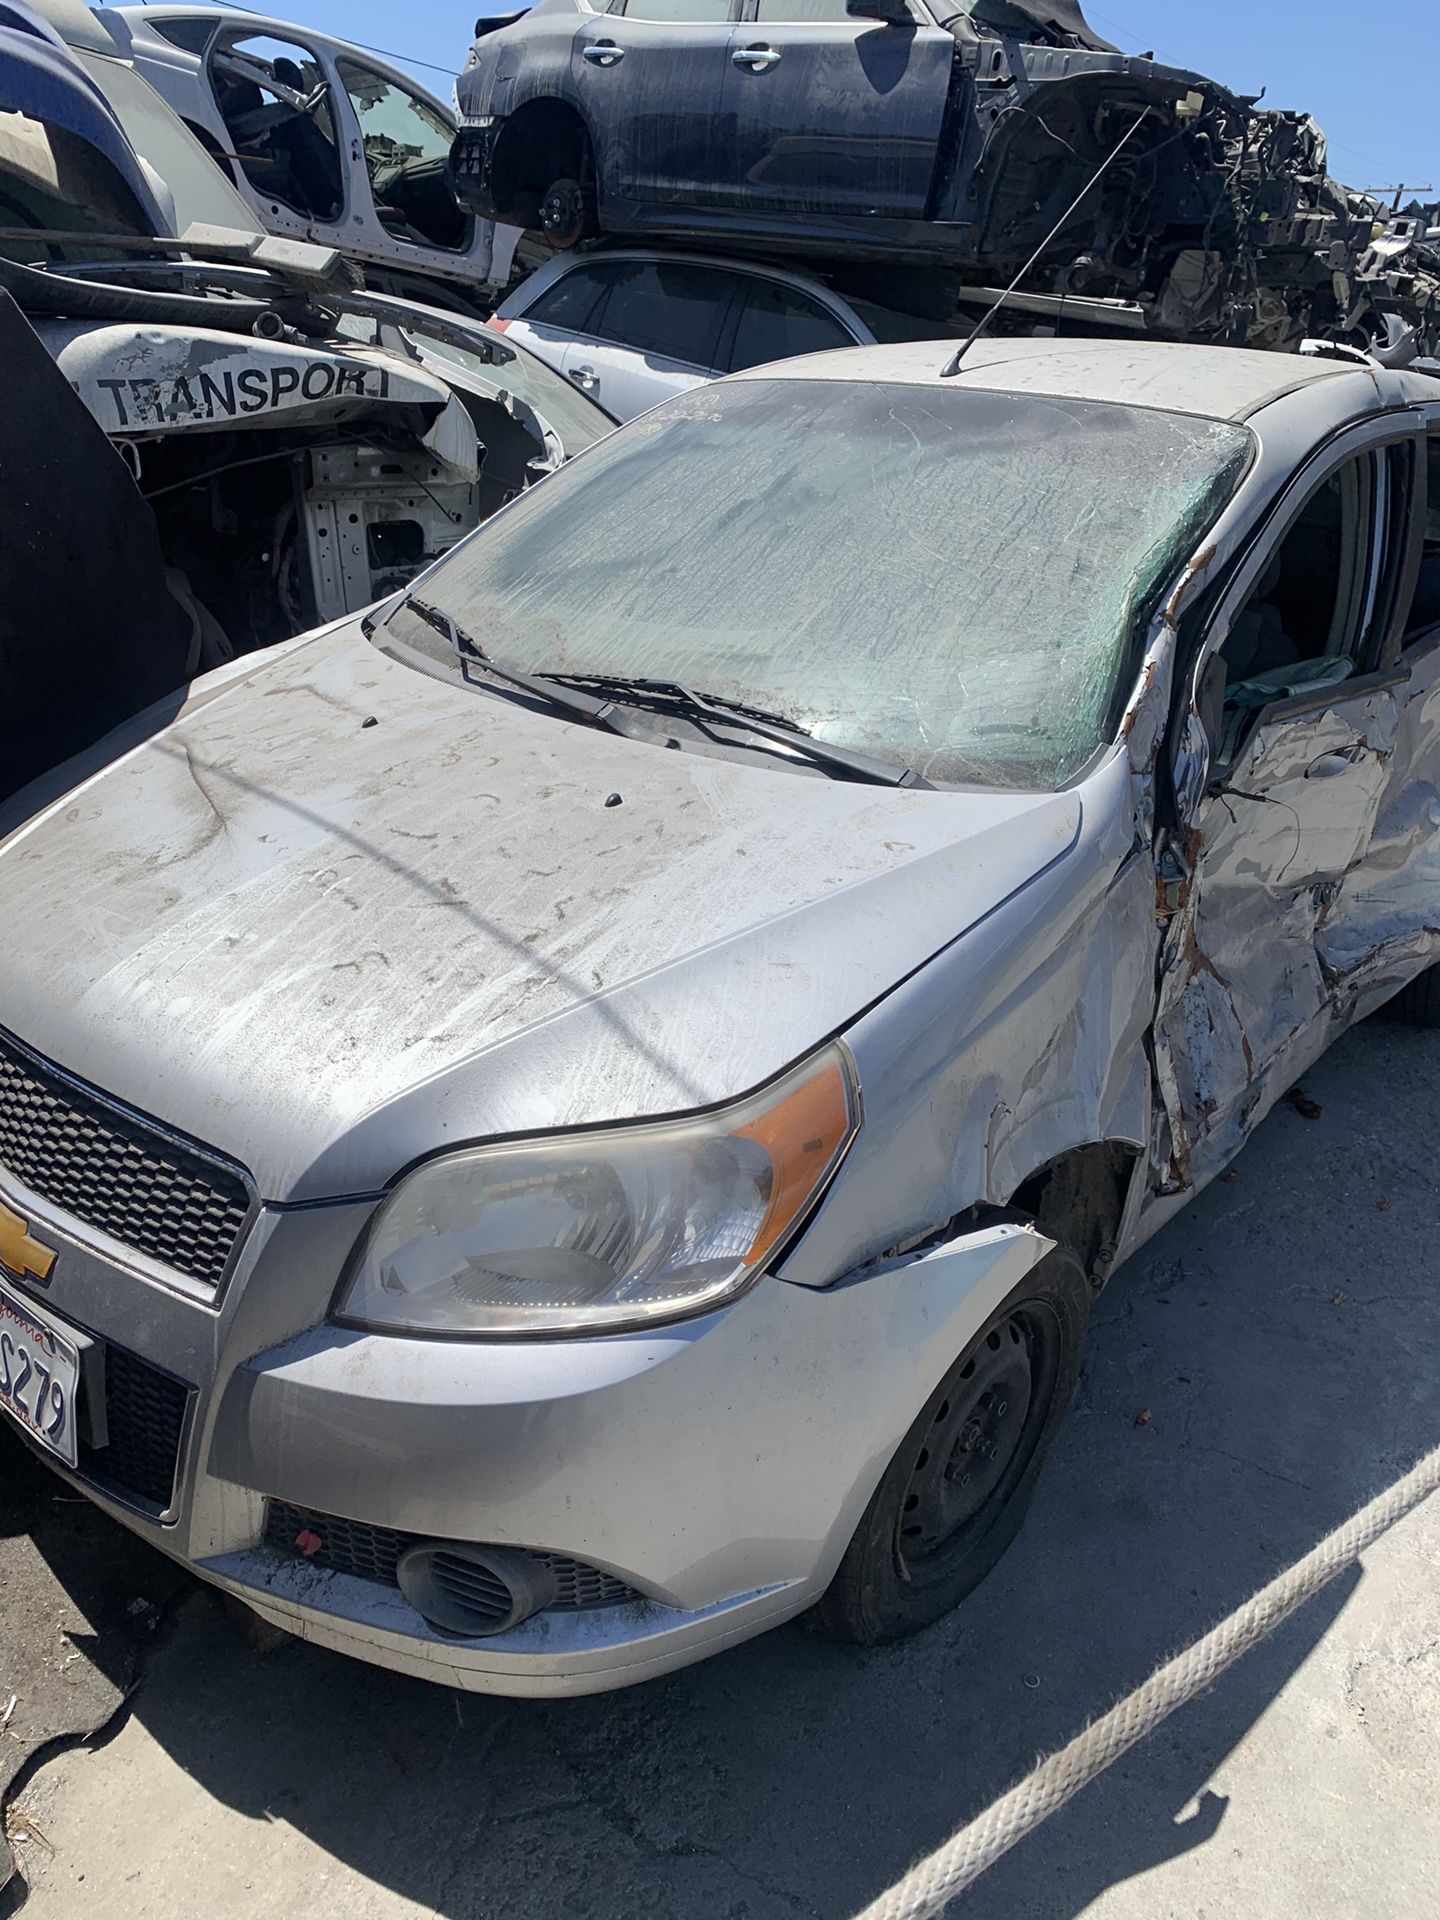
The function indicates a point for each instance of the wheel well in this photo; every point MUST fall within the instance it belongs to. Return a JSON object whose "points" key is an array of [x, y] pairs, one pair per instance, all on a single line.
{"points": [[1079, 1199], [541, 142]]}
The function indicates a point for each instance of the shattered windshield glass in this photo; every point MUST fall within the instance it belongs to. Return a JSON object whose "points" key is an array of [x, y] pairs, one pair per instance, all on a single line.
{"points": [[956, 578]]}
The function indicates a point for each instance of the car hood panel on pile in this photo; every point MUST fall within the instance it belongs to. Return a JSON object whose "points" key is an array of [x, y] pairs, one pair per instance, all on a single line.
{"points": [[149, 379], [327, 947]]}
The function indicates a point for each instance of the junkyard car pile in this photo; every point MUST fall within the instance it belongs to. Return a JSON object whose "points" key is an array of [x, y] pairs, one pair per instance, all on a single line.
{"points": [[923, 151], [303, 445], [580, 1110]]}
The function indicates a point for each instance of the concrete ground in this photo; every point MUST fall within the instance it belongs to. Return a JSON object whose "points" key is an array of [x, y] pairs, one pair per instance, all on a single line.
{"points": [[1268, 1363]]}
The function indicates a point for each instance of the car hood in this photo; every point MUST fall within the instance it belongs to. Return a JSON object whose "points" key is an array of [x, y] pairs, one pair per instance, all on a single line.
{"points": [[344, 912]]}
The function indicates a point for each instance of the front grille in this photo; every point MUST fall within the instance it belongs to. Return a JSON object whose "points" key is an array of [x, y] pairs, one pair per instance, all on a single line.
{"points": [[346, 1546], [145, 1416], [153, 1193], [582, 1587], [349, 1546]]}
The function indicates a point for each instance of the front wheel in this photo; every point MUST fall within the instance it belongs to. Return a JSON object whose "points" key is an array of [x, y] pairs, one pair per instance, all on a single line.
{"points": [[955, 1493], [1418, 1003]]}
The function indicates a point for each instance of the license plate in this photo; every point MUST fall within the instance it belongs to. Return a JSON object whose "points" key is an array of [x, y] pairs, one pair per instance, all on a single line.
{"points": [[39, 1377]]}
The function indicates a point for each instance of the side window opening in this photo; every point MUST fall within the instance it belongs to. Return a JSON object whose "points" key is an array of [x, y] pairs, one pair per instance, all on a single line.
{"points": [[275, 103], [667, 308], [192, 35], [571, 302], [407, 151], [813, 11], [693, 12], [1424, 616], [1322, 606], [1299, 626], [777, 323]]}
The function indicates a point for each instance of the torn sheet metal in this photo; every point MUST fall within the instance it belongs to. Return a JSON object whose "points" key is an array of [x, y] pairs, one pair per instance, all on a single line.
{"points": [[1383, 922], [1272, 849]]}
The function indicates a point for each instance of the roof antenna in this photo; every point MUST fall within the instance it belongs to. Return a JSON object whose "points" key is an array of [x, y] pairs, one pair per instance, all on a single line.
{"points": [[952, 366]]}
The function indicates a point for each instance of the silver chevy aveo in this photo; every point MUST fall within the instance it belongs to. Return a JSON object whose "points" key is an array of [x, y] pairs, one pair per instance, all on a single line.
{"points": [[556, 1127]]}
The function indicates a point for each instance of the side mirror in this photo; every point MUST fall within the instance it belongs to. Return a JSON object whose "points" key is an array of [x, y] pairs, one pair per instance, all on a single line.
{"points": [[894, 13]]}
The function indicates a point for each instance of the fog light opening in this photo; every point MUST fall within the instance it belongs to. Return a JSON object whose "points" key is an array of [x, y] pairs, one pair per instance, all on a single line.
{"points": [[474, 1591]]}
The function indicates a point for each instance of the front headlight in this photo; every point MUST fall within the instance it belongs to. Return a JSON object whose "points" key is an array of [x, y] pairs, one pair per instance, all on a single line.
{"points": [[592, 1232]]}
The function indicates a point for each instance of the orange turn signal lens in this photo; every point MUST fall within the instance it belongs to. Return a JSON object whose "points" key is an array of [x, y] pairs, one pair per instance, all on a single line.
{"points": [[804, 1134]]}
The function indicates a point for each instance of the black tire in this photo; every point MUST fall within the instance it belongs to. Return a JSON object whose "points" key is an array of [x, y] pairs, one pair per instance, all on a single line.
{"points": [[930, 1535], [1419, 1003]]}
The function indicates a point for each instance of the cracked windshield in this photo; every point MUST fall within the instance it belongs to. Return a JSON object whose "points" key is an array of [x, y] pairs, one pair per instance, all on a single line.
{"points": [[953, 577]]}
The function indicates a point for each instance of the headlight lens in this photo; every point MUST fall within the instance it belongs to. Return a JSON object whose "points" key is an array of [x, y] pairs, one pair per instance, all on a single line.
{"points": [[593, 1232]]}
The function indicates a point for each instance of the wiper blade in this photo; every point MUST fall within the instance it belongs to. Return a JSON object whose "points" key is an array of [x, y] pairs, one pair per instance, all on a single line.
{"points": [[675, 698], [469, 652]]}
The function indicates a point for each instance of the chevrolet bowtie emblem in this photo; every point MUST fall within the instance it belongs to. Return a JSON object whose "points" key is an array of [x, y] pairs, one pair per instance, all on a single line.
{"points": [[20, 1252]]}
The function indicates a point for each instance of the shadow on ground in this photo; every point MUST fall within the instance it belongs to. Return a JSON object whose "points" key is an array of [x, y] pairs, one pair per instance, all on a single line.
{"points": [[1267, 1364]]}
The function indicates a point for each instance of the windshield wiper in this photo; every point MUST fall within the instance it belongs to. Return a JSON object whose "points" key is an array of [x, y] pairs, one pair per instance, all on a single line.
{"points": [[670, 696], [563, 699]]}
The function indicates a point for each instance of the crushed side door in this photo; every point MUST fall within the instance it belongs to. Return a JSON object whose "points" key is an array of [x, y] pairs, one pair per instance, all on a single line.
{"points": [[1384, 924], [1254, 887]]}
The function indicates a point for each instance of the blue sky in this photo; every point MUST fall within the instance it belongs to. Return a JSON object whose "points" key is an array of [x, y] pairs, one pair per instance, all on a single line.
{"points": [[1369, 75]]}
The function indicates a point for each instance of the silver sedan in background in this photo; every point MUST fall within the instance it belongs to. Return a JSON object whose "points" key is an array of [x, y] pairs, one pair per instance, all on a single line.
{"points": [[558, 1125]]}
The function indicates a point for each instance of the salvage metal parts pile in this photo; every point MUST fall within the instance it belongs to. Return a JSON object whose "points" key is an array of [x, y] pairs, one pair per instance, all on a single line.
{"points": [[305, 445], [923, 151]]}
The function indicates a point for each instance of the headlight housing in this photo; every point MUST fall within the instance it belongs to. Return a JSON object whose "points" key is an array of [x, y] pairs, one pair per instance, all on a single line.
{"points": [[594, 1232]]}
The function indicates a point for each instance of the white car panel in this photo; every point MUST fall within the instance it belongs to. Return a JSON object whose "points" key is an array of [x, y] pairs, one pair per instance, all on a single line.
{"points": [[631, 378]]}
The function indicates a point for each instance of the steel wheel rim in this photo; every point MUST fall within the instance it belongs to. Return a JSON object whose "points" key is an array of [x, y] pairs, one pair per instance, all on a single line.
{"points": [[979, 1442]]}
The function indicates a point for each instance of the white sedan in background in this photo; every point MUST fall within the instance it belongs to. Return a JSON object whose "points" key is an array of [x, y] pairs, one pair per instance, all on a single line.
{"points": [[632, 326]]}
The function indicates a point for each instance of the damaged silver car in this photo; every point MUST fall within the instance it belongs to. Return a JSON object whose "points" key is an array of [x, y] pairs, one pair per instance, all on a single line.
{"points": [[567, 1121]]}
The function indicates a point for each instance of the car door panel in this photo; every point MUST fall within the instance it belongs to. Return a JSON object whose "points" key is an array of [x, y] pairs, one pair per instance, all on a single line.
{"points": [[655, 331], [838, 116], [1384, 926], [650, 91], [1264, 894], [1246, 973], [625, 381], [549, 343]]}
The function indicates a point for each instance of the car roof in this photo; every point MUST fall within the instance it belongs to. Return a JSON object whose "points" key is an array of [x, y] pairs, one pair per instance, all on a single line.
{"points": [[560, 263], [270, 26], [1221, 383]]}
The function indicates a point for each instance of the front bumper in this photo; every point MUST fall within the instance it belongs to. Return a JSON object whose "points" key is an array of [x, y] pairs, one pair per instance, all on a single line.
{"points": [[717, 1468]]}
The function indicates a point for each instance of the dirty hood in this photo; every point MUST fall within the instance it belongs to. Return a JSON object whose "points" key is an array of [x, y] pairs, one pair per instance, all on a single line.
{"points": [[343, 913]]}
